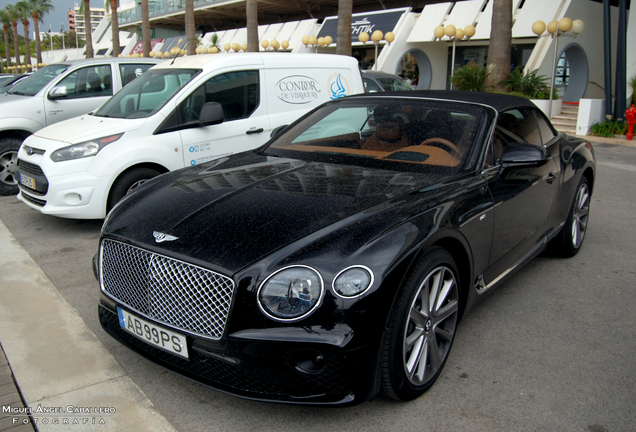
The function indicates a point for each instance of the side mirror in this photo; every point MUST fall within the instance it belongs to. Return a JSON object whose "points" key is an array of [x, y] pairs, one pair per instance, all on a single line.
{"points": [[276, 132], [58, 92], [522, 155], [211, 114]]}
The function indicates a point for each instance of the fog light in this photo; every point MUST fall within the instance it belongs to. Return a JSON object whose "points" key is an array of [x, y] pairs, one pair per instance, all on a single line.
{"points": [[309, 361], [72, 198]]}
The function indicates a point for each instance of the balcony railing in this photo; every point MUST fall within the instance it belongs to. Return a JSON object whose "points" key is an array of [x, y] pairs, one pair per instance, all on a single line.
{"points": [[157, 8]]}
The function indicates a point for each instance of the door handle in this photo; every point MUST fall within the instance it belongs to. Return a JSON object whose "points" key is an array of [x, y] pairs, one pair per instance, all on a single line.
{"points": [[254, 130], [551, 177]]}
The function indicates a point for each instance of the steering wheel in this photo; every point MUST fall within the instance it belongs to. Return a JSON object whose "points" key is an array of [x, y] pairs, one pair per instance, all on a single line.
{"points": [[454, 150]]}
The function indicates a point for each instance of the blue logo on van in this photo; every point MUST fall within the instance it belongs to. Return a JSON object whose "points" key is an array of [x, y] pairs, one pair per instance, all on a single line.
{"points": [[338, 89], [193, 162]]}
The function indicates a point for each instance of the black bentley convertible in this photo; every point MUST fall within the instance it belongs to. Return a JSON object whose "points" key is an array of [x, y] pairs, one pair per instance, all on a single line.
{"points": [[336, 261]]}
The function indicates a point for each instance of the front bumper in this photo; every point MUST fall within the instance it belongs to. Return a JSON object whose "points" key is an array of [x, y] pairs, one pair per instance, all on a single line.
{"points": [[71, 195], [275, 370]]}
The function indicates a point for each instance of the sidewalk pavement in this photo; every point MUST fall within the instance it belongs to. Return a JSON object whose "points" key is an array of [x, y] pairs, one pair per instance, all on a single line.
{"points": [[63, 372], [56, 361]]}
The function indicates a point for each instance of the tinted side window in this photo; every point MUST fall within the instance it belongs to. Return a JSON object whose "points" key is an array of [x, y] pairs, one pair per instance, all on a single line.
{"points": [[90, 81], [237, 92], [547, 133], [519, 125], [371, 86], [131, 71]]}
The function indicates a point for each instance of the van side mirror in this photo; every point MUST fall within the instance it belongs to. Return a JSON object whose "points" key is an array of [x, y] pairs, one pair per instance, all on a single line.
{"points": [[522, 155], [211, 114], [58, 92]]}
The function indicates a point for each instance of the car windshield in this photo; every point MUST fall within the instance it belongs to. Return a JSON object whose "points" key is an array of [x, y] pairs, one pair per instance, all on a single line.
{"points": [[398, 133], [36, 82], [147, 94], [394, 84]]}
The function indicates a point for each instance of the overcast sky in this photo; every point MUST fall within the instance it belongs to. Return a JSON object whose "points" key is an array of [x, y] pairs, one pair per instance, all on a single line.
{"points": [[57, 17]]}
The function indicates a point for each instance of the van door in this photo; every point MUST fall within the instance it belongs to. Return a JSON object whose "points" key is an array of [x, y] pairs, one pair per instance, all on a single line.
{"points": [[86, 89], [246, 124]]}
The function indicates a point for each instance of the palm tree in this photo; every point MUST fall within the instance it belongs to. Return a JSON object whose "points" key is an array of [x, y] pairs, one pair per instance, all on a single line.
{"points": [[85, 8], [114, 21], [498, 65], [39, 8], [25, 12], [190, 28], [6, 24], [251, 13], [145, 27], [345, 10], [14, 16]]}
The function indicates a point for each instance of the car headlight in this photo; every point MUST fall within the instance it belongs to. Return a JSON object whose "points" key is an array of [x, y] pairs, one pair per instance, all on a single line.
{"points": [[291, 294], [353, 281], [82, 150]]}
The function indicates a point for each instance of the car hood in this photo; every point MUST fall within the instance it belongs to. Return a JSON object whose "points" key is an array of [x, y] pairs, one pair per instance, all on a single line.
{"points": [[229, 213], [88, 127]]}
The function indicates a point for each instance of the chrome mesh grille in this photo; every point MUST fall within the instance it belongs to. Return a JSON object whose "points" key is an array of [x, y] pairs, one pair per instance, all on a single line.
{"points": [[166, 290]]}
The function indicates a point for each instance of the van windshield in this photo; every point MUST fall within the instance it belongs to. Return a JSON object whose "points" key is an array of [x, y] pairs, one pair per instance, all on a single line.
{"points": [[147, 94], [36, 82]]}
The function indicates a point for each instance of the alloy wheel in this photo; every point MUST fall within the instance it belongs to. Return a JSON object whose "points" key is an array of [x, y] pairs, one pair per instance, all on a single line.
{"points": [[431, 325]]}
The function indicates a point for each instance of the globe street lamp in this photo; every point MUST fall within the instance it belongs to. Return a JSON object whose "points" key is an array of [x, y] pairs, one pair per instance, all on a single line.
{"points": [[316, 42], [455, 34], [376, 38], [556, 29]]}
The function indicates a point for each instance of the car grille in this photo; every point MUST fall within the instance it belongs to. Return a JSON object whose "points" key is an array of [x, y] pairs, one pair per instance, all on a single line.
{"points": [[166, 290], [32, 200], [30, 168]]}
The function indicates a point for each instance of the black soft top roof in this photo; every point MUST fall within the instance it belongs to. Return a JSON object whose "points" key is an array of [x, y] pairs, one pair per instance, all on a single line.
{"points": [[500, 102]]}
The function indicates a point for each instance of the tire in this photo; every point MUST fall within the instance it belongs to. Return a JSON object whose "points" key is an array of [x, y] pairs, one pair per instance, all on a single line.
{"points": [[570, 239], [9, 165], [127, 182], [419, 336]]}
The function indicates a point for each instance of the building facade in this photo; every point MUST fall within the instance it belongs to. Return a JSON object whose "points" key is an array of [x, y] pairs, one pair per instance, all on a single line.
{"points": [[76, 20]]}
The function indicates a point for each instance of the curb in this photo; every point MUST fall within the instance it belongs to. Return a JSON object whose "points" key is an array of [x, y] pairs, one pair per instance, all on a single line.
{"points": [[64, 373]]}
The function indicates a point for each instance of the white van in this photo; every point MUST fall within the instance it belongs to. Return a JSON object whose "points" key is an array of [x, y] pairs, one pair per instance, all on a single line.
{"points": [[179, 113]]}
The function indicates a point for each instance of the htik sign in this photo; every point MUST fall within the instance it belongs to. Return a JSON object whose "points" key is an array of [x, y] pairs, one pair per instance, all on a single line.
{"points": [[384, 21]]}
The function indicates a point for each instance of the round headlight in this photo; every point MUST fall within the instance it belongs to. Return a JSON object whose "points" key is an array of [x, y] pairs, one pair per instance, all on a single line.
{"points": [[353, 281], [290, 294]]}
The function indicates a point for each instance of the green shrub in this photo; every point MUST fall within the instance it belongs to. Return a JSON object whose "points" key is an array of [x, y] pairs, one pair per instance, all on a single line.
{"points": [[609, 128], [532, 85], [470, 77]]}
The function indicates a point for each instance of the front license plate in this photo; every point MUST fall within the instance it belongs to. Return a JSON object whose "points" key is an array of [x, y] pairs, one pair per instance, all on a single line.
{"points": [[153, 334], [27, 181]]}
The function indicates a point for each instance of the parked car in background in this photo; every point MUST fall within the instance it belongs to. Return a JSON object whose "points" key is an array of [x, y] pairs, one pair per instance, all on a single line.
{"points": [[9, 80], [57, 92], [181, 113], [336, 261], [378, 81]]}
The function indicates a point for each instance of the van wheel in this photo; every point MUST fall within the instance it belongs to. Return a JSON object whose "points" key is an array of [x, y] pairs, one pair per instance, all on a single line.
{"points": [[9, 165], [127, 183]]}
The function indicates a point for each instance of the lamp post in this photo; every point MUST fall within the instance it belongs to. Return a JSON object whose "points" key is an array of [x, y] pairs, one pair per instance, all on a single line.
{"points": [[454, 34], [556, 29], [376, 38]]}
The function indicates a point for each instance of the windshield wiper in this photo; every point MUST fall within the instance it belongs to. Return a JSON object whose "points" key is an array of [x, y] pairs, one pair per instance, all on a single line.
{"points": [[17, 93]]}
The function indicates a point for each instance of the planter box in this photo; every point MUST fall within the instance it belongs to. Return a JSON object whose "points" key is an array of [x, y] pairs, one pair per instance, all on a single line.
{"points": [[591, 111], [542, 104]]}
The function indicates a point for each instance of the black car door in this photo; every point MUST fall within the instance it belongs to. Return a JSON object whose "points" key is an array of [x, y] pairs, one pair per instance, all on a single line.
{"points": [[523, 197]]}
